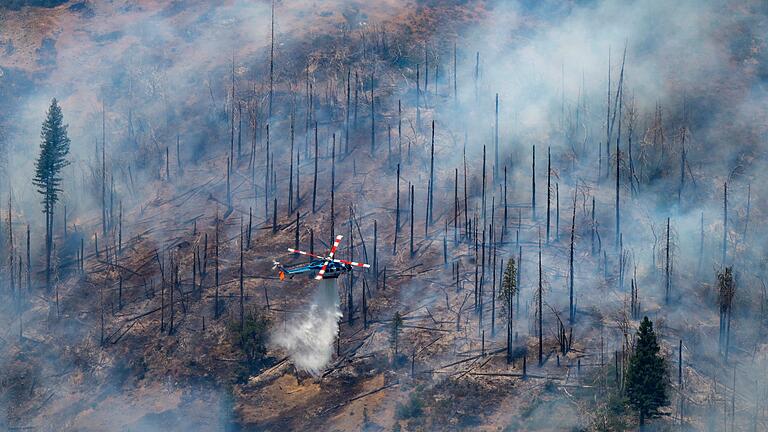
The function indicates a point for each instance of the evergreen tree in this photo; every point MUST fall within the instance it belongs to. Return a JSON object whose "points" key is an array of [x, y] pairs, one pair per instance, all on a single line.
{"points": [[508, 292], [54, 148], [509, 283], [646, 375]]}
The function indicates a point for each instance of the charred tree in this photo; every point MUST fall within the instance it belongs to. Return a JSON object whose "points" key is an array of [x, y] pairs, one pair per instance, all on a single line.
{"points": [[667, 280], [571, 308], [333, 188], [533, 183], [290, 174], [549, 188], [314, 182], [496, 142], [240, 280], [346, 113], [373, 121], [540, 301], [397, 211], [430, 199], [411, 219], [271, 59], [216, 271]]}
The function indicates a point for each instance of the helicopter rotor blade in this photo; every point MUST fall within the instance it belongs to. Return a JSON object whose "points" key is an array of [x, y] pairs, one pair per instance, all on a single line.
{"points": [[322, 271], [300, 252], [335, 246], [352, 263]]}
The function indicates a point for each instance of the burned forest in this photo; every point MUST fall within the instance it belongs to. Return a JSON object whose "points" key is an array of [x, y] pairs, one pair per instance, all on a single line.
{"points": [[402, 215]]}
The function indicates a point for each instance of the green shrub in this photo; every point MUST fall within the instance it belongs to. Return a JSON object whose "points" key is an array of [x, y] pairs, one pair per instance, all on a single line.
{"points": [[413, 408], [252, 338]]}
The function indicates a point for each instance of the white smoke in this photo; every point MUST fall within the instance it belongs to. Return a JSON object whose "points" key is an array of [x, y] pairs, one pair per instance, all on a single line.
{"points": [[309, 338]]}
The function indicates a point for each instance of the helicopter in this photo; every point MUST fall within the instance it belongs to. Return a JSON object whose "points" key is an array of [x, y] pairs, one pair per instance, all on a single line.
{"points": [[325, 267]]}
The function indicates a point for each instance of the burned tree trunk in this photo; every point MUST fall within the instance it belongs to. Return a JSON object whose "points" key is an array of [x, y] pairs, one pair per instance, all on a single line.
{"points": [[333, 187], [296, 242], [667, 281], [290, 174], [357, 87], [496, 142], [397, 211], [266, 178], [314, 182], [375, 257], [540, 315], [483, 191], [399, 132], [351, 285], [594, 227], [430, 199], [549, 188], [412, 195], [103, 171], [174, 281], [504, 228], [456, 207], [571, 308], [533, 184], [557, 211], [216, 271], [271, 59], [346, 114], [242, 291], [373, 121], [298, 194], [466, 208]]}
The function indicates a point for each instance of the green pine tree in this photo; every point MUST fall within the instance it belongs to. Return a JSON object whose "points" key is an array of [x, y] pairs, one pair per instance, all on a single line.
{"points": [[509, 283], [646, 375], [507, 293], [54, 148]]}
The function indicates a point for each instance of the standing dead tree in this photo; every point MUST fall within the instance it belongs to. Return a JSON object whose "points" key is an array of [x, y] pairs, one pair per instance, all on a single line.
{"points": [[667, 276], [496, 142], [346, 113], [533, 183], [411, 219], [430, 199], [314, 182], [549, 188], [271, 59], [540, 301], [333, 187], [571, 276]]}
